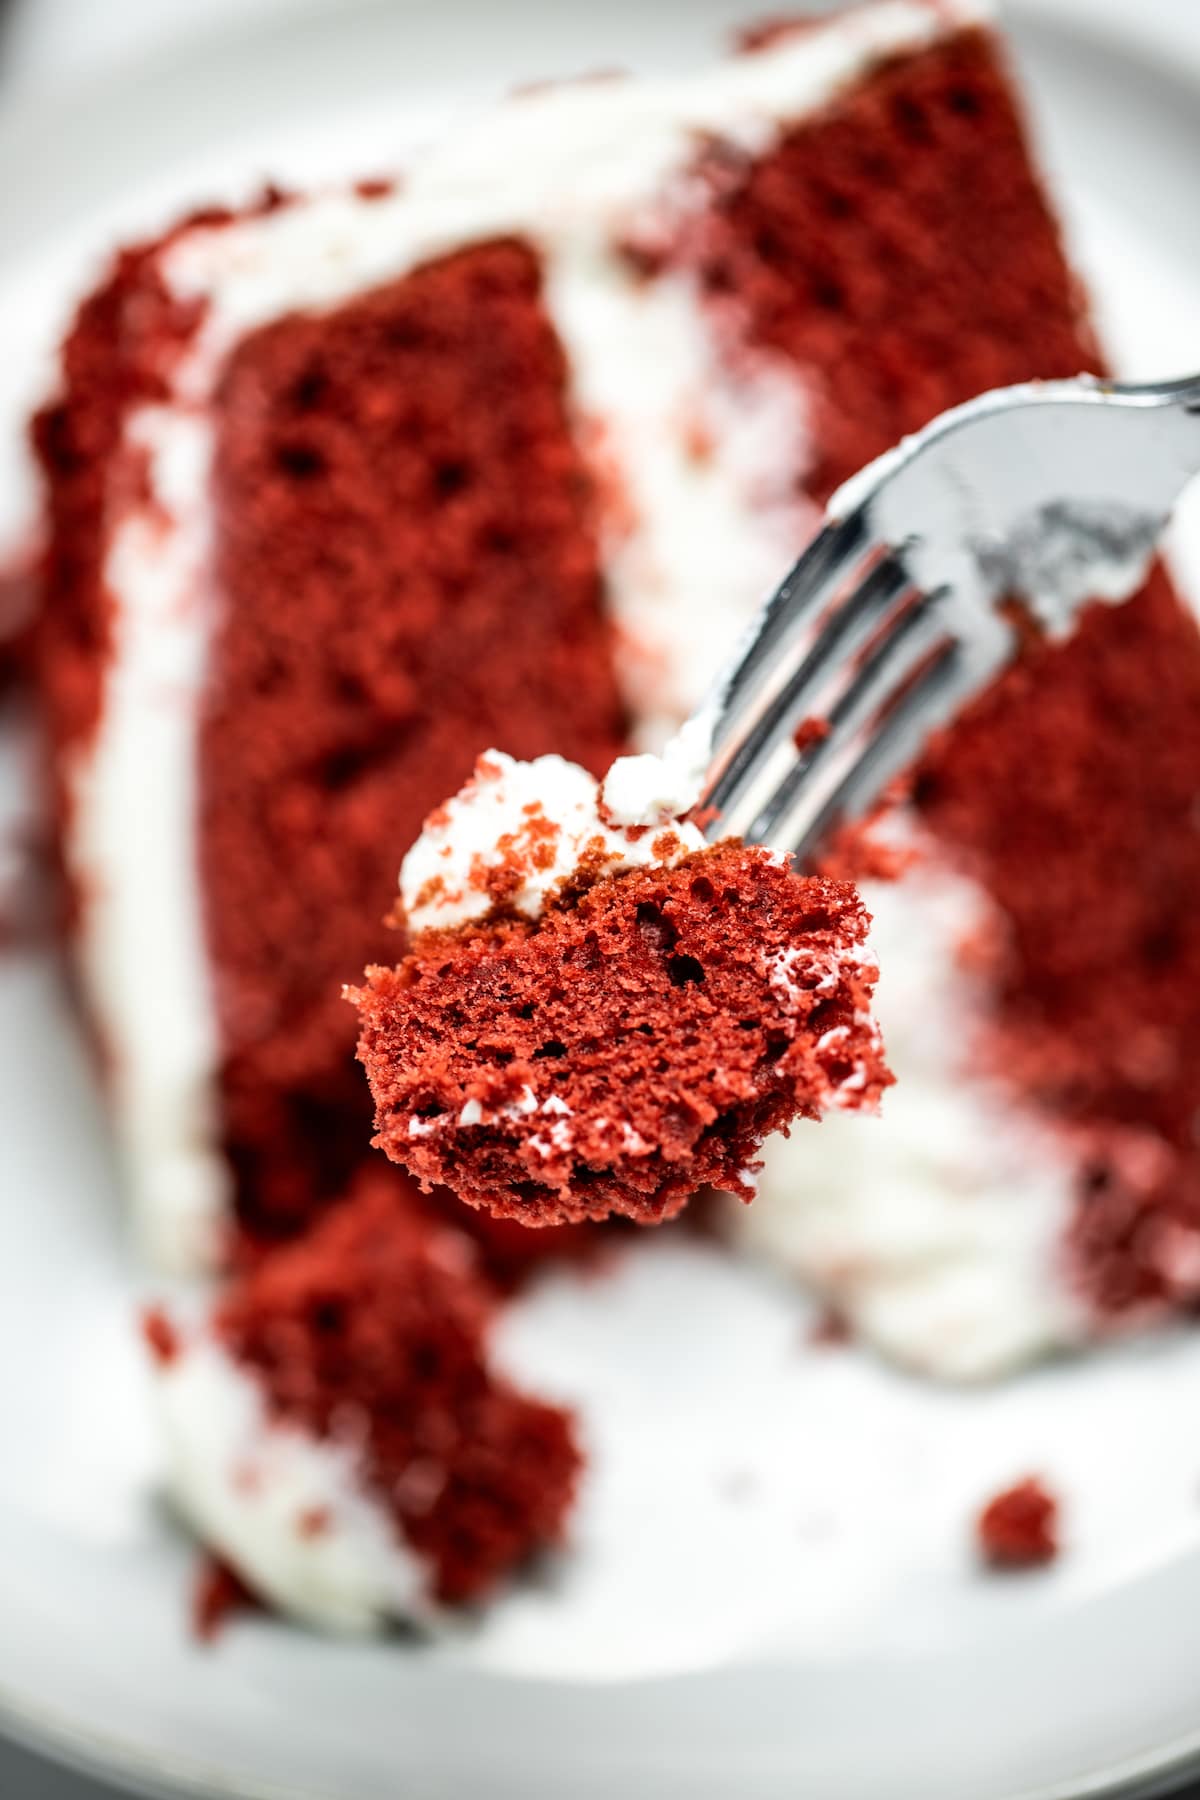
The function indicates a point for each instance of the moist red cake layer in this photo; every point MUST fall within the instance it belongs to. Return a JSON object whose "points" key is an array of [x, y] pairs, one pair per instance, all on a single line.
{"points": [[373, 1329], [898, 247], [632, 1046], [900, 250], [408, 572]]}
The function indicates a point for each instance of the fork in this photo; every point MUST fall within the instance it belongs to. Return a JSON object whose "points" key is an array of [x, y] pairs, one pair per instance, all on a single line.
{"points": [[1007, 514]]}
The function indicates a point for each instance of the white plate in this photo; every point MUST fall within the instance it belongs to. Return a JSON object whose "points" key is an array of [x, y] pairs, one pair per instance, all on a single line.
{"points": [[772, 1591]]}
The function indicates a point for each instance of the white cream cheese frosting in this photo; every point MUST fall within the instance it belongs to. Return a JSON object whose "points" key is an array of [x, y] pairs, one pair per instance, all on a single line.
{"points": [[538, 822], [284, 1508]]}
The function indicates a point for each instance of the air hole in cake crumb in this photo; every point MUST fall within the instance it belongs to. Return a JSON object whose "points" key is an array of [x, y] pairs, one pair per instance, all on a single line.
{"points": [[550, 1049], [1095, 1179], [912, 121], [1163, 948], [825, 1016], [525, 1012], [703, 889], [328, 1316], [450, 478], [967, 104], [302, 462], [657, 931], [403, 334], [349, 764], [350, 689], [426, 1362], [308, 391], [588, 953], [683, 971], [775, 1046], [768, 247]]}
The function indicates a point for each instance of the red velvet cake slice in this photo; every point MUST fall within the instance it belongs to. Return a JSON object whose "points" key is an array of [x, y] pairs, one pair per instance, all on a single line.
{"points": [[342, 491], [345, 488], [596, 1017], [334, 1432]]}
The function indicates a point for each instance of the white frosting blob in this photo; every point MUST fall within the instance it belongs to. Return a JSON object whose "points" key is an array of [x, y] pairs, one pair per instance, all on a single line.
{"points": [[540, 818], [284, 1508], [649, 790], [131, 846]]}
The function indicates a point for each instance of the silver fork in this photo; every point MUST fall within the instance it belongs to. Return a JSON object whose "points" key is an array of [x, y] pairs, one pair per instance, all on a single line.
{"points": [[1049, 494]]}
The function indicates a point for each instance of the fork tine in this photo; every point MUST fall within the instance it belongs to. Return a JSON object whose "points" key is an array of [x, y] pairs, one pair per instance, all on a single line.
{"points": [[839, 641], [880, 676], [796, 602], [933, 694], [963, 666]]}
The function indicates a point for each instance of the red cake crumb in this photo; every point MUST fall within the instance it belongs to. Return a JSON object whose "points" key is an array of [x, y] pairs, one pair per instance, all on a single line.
{"points": [[377, 1318], [160, 1335], [218, 1593], [810, 731], [1018, 1529], [637, 1043]]}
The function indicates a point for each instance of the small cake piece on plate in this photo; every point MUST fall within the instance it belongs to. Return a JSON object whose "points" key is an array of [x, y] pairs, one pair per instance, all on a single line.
{"points": [[1018, 1529], [335, 1435], [599, 1012]]}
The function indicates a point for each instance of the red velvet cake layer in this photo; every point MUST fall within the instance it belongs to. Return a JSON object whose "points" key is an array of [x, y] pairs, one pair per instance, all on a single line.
{"points": [[898, 247], [408, 573]]}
